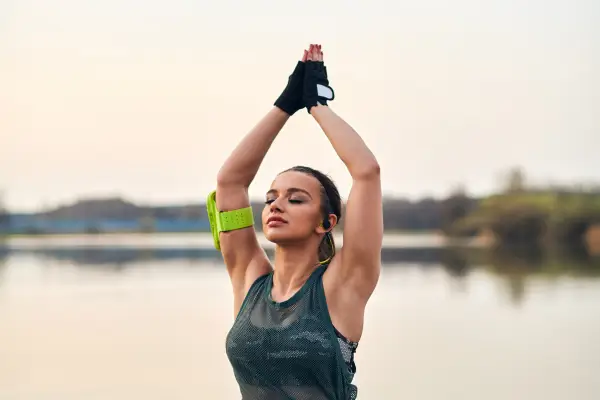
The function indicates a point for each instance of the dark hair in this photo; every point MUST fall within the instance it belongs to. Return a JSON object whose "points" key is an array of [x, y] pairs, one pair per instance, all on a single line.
{"points": [[331, 203]]}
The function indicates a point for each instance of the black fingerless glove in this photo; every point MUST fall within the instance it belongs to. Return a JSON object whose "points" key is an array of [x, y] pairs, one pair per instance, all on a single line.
{"points": [[316, 85], [290, 99]]}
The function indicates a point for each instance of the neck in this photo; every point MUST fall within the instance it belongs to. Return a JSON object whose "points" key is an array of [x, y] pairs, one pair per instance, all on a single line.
{"points": [[293, 266]]}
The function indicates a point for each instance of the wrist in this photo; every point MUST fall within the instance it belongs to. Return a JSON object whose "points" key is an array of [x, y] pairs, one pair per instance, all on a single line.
{"points": [[319, 109], [279, 113]]}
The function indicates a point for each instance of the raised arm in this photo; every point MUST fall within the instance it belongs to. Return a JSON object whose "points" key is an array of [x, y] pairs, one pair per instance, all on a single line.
{"points": [[244, 257], [363, 230], [358, 266]]}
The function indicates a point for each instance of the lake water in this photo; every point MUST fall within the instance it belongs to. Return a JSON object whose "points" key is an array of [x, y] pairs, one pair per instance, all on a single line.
{"points": [[146, 317]]}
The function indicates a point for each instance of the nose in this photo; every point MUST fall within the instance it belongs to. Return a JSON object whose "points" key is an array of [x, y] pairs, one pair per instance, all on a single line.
{"points": [[274, 206]]}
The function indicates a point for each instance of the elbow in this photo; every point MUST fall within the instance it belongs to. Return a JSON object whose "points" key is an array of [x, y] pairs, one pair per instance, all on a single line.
{"points": [[371, 170], [228, 179], [223, 178]]}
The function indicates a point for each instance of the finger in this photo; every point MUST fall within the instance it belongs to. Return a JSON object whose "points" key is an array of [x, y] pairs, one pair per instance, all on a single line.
{"points": [[321, 56], [315, 53], [304, 56]]}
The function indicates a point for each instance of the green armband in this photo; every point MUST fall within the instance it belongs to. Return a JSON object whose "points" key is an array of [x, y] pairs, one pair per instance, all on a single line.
{"points": [[224, 221]]}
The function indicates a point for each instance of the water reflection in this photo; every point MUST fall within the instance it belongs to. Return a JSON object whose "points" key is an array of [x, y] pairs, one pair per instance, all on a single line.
{"points": [[457, 261], [122, 256], [3, 257], [72, 310], [117, 257], [514, 265]]}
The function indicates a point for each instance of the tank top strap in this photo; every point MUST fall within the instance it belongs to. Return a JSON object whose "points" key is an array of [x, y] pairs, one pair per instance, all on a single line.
{"points": [[254, 293], [317, 277], [321, 270]]}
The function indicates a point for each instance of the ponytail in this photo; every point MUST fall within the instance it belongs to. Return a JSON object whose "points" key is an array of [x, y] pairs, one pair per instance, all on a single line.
{"points": [[326, 248]]}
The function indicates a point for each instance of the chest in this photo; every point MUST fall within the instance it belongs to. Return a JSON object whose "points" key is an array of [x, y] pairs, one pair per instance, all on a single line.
{"points": [[281, 341]]}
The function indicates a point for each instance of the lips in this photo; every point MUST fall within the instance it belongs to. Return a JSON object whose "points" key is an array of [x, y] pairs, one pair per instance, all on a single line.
{"points": [[275, 220]]}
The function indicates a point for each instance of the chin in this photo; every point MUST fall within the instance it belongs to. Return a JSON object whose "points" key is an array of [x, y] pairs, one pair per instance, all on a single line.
{"points": [[278, 235]]}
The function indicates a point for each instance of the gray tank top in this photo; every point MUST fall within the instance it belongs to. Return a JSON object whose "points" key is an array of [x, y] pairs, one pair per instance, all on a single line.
{"points": [[290, 350]]}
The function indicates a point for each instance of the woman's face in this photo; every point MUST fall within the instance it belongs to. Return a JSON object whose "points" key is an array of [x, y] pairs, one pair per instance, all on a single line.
{"points": [[293, 208]]}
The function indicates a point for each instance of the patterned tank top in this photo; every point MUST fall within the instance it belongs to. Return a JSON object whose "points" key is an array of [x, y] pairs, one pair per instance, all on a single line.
{"points": [[290, 350]]}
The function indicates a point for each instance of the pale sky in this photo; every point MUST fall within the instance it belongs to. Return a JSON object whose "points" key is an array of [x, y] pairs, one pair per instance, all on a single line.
{"points": [[145, 99]]}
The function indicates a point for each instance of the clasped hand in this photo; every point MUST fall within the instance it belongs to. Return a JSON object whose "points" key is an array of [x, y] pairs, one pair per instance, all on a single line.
{"points": [[308, 85]]}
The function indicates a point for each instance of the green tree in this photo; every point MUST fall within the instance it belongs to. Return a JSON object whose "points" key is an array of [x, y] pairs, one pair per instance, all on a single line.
{"points": [[515, 180], [455, 208]]}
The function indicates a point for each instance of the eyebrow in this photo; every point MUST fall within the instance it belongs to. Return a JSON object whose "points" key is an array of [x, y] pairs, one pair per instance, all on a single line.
{"points": [[290, 191]]}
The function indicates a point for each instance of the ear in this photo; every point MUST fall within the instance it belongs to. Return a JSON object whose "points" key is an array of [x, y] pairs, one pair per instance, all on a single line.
{"points": [[332, 223]]}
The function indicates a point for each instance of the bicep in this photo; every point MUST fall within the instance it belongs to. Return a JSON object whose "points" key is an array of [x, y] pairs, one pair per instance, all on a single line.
{"points": [[363, 236], [243, 256]]}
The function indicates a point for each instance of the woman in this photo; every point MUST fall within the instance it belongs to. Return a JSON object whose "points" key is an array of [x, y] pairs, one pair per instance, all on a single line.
{"points": [[298, 322]]}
